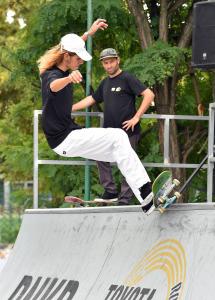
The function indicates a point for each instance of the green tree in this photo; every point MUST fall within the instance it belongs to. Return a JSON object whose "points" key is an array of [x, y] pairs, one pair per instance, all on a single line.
{"points": [[164, 28]]}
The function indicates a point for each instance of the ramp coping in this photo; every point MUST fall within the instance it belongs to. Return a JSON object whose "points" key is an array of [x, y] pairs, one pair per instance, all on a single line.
{"points": [[119, 209]]}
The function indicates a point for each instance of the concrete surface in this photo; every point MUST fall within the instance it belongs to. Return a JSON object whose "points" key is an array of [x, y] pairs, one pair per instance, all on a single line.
{"points": [[113, 254]]}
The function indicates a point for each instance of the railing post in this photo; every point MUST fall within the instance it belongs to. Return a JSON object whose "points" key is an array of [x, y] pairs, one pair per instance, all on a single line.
{"points": [[35, 188], [88, 84], [166, 140], [210, 153], [6, 195]]}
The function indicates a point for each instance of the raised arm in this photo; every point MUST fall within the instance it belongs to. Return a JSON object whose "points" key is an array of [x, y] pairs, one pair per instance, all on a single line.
{"points": [[98, 24]]}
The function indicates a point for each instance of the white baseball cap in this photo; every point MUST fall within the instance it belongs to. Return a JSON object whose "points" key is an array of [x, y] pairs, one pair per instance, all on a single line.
{"points": [[73, 43]]}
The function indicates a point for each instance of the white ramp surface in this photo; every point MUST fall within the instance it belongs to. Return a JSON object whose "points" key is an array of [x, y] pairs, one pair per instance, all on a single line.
{"points": [[113, 254]]}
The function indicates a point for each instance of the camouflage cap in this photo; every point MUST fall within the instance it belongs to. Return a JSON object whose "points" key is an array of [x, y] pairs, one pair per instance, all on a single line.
{"points": [[109, 52]]}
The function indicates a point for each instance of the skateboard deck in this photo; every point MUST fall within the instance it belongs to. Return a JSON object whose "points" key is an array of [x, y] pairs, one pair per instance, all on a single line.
{"points": [[162, 188], [81, 202]]}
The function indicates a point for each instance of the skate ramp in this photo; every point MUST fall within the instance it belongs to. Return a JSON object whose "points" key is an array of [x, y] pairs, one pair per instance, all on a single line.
{"points": [[113, 254]]}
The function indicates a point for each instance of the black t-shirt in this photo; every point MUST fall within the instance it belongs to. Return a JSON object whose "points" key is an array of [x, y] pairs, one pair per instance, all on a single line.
{"points": [[57, 106], [119, 94]]}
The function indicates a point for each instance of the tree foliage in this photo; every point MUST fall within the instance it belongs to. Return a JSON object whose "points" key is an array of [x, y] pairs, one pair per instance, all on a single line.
{"points": [[162, 58]]}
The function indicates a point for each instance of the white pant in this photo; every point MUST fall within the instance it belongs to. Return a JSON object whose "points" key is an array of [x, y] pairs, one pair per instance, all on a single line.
{"points": [[106, 144]]}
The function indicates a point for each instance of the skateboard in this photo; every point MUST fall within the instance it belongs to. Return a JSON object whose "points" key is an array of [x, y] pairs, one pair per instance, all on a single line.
{"points": [[80, 202], [162, 188]]}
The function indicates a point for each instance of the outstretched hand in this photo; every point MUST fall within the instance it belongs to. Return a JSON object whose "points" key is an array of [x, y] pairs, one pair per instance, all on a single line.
{"points": [[98, 24]]}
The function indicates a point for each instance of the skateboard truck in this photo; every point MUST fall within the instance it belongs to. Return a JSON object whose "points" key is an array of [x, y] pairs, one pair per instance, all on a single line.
{"points": [[162, 187], [169, 189]]}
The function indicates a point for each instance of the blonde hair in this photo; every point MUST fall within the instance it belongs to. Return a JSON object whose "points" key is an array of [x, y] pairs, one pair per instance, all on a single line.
{"points": [[52, 57]]}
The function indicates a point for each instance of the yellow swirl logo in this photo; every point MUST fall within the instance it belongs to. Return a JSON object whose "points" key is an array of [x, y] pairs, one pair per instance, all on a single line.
{"points": [[167, 256]]}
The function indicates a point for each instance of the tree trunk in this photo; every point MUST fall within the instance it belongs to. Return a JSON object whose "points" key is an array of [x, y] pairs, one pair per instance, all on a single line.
{"points": [[143, 28], [163, 21]]}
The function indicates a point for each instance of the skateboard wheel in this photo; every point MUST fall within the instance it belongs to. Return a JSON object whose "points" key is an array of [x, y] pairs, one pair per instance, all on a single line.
{"points": [[161, 200], [177, 194], [176, 182], [161, 210]]}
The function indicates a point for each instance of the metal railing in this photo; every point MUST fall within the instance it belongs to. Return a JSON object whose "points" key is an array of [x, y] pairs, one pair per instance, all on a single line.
{"points": [[211, 151], [165, 164]]}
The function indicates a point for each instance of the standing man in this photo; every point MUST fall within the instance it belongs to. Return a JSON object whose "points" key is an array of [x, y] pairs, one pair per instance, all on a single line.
{"points": [[118, 91], [67, 138]]}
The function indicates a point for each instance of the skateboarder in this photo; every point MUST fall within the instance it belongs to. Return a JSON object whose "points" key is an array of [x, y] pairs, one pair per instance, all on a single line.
{"points": [[67, 138], [118, 92]]}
